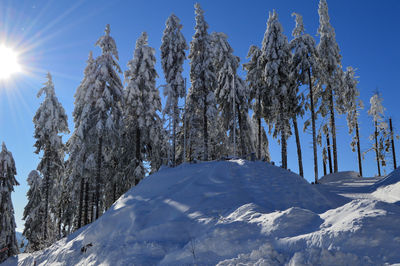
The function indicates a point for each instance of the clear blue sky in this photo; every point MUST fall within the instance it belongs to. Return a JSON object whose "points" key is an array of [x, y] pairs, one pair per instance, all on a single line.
{"points": [[57, 36]]}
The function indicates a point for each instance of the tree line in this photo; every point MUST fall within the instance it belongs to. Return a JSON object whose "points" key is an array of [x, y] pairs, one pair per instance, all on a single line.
{"points": [[121, 132]]}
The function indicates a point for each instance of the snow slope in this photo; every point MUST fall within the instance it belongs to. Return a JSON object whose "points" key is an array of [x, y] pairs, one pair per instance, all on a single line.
{"points": [[233, 212]]}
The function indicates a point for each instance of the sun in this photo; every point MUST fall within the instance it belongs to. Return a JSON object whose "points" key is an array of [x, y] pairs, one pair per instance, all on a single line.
{"points": [[8, 62]]}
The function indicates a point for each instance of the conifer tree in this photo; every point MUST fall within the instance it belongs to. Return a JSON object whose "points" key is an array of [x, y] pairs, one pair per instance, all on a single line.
{"points": [[381, 135], [172, 57], [105, 111], [330, 74], [230, 86], [142, 102], [50, 121], [8, 241], [276, 60], [257, 88], [33, 213], [203, 79]]}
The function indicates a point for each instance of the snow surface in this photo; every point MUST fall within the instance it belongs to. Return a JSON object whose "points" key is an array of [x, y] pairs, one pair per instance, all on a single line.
{"points": [[239, 212]]}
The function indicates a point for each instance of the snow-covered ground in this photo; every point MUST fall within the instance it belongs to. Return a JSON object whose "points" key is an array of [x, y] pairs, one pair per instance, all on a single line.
{"points": [[239, 212]]}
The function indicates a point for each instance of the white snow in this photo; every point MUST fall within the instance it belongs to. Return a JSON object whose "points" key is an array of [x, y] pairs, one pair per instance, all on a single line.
{"points": [[239, 212]]}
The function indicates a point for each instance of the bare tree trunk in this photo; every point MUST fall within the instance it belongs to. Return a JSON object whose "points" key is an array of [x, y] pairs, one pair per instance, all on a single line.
{"points": [[376, 149], [138, 153], [46, 207], [259, 127], [80, 208], [328, 145], [299, 157], [205, 131], [314, 137], [333, 131], [358, 150], [240, 121], [98, 176], [174, 136], [324, 165], [86, 211], [393, 150], [284, 150]]}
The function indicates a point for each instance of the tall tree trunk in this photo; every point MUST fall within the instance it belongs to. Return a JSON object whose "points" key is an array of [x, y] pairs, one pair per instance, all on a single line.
{"points": [[376, 148], [358, 150], [333, 131], [240, 121], [86, 211], [299, 157], [80, 208], [324, 165], [46, 207], [174, 136], [393, 150], [92, 208], [328, 145], [205, 131], [98, 176], [314, 137], [138, 153], [284, 150], [259, 127]]}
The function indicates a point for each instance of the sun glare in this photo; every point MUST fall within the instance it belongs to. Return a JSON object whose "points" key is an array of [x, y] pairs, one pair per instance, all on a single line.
{"points": [[8, 62]]}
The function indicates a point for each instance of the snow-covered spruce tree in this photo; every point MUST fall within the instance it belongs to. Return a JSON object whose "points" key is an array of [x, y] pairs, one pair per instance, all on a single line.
{"points": [[8, 241], [304, 66], [34, 213], [381, 134], [142, 102], [50, 121], [172, 57], [80, 145], [350, 104], [276, 59], [230, 86], [105, 113], [257, 88], [203, 79], [329, 78]]}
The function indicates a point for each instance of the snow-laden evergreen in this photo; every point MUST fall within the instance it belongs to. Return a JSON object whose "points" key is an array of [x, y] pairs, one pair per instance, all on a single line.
{"points": [[8, 241], [330, 74], [34, 213], [203, 79], [381, 135], [230, 86], [80, 146], [172, 57], [304, 66], [351, 105], [50, 122], [141, 106], [260, 104], [282, 96]]}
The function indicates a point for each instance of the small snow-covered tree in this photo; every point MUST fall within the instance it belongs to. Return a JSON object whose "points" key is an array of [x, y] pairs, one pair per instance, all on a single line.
{"points": [[381, 134], [203, 79], [276, 60], [142, 102], [257, 88], [230, 86], [34, 213], [172, 57], [330, 74], [8, 241], [50, 121]]}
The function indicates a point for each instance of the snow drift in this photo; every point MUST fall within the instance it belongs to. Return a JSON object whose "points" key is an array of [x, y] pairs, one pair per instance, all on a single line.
{"points": [[231, 212]]}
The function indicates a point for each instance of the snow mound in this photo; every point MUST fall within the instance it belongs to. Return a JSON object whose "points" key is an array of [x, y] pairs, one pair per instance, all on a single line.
{"points": [[340, 177], [228, 213], [390, 179]]}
